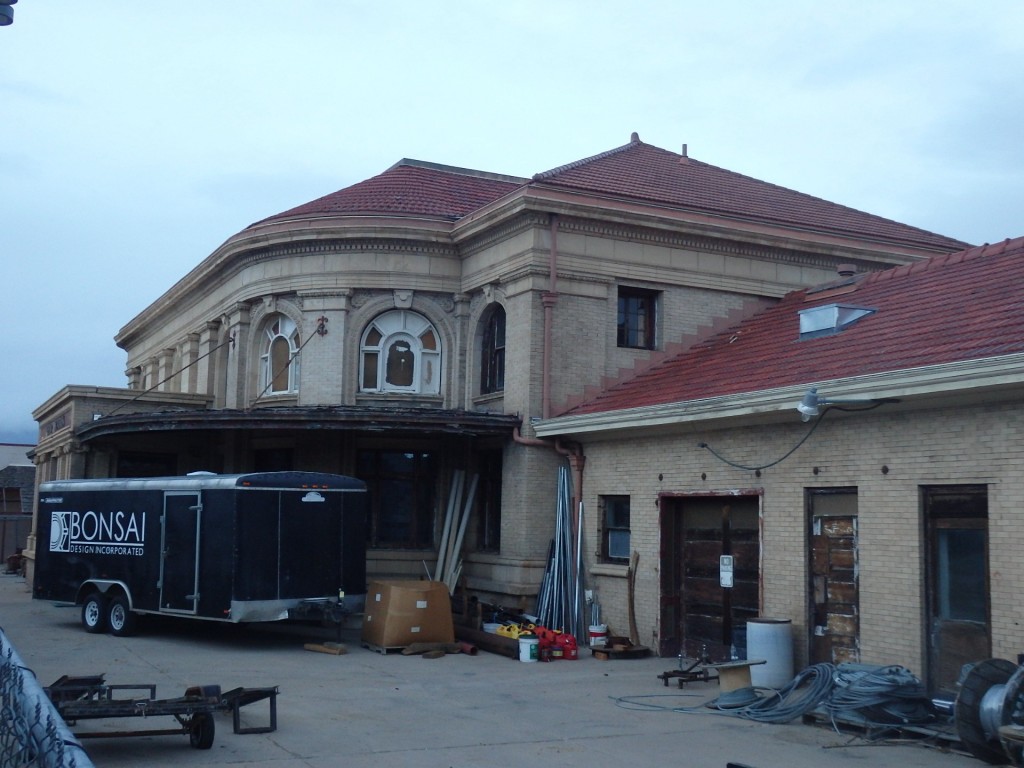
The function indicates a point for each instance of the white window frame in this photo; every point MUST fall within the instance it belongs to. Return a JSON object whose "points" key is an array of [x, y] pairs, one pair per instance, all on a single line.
{"points": [[401, 326], [279, 327]]}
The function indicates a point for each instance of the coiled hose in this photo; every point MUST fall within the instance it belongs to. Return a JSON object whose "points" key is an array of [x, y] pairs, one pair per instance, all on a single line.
{"points": [[801, 695]]}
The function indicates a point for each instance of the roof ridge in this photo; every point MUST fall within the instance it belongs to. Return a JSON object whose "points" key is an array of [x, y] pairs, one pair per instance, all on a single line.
{"points": [[428, 165], [634, 140]]}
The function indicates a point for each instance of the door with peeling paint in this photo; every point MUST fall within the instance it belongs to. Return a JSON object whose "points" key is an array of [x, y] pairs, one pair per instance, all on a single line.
{"points": [[834, 588], [697, 611]]}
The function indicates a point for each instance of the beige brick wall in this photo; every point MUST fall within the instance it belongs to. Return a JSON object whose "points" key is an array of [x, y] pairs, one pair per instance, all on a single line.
{"points": [[962, 445]]}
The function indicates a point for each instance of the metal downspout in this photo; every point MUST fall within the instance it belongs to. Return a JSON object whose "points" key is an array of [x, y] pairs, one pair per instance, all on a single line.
{"points": [[549, 298]]}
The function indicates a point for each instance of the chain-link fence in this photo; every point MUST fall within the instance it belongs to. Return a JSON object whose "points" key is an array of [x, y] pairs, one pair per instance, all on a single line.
{"points": [[31, 731]]}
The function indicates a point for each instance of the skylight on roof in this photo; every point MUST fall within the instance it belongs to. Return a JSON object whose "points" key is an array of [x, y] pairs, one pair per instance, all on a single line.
{"points": [[829, 318]]}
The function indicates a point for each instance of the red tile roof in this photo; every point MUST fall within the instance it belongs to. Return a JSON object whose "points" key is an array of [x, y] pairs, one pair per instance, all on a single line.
{"points": [[957, 307], [644, 172], [635, 172], [410, 188]]}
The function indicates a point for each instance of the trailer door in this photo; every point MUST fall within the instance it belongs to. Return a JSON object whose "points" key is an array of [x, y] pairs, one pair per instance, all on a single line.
{"points": [[179, 562]]}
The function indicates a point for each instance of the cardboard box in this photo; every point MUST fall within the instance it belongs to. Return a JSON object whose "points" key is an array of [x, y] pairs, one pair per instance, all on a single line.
{"points": [[399, 613]]}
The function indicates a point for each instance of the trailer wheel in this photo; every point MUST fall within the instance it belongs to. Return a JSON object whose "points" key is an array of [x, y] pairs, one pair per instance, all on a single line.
{"points": [[94, 613], [120, 617], [201, 730]]}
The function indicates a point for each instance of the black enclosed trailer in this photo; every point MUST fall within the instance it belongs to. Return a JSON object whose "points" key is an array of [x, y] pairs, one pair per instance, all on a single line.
{"points": [[237, 548]]}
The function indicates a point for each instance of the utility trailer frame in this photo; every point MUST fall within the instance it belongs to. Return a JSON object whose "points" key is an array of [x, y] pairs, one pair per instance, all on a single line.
{"points": [[90, 698], [255, 547]]}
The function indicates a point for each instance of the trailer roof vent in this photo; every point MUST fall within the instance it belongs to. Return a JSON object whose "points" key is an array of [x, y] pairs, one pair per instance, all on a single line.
{"points": [[829, 319]]}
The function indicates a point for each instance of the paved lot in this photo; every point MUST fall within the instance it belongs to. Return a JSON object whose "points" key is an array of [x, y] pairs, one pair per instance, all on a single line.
{"points": [[366, 709]]}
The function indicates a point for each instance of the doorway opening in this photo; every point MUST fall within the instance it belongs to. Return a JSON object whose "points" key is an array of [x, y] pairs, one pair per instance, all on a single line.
{"points": [[704, 607]]}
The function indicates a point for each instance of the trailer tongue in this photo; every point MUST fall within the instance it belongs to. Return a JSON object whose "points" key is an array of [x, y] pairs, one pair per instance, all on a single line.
{"points": [[90, 698]]}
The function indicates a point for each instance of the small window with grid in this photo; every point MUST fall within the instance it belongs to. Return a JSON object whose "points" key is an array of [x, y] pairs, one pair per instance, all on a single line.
{"points": [[615, 530]]}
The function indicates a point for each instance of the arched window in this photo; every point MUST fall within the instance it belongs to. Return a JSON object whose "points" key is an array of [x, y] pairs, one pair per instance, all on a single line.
{"points": [[400, 352], [492, 352], [279, 365]]}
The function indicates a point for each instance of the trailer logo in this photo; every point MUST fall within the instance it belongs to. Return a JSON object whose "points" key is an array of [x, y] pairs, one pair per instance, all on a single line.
{"points": [[98, 533]]}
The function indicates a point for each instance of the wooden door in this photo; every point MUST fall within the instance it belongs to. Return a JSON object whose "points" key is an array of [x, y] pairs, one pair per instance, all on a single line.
{"points": [[698, 614], [834, 588]]}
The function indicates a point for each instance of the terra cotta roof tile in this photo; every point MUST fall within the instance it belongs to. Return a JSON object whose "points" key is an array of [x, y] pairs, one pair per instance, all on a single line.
{"points": [[635, 172], [644, 172], [409, 189], [947, 309]]}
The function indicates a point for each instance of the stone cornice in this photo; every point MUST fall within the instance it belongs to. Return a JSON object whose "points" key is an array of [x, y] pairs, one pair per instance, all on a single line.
{"points": [[338, 245], [706, 244], [505, 230]]}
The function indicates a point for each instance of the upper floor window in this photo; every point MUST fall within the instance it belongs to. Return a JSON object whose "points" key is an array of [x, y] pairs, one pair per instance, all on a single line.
{"points": [[400, 352], [279, 364], [492, 353], [636, 320]]}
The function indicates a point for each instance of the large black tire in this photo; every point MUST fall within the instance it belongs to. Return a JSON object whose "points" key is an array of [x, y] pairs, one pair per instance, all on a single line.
{"points": [[967, 714], [201, 731], [120, 619], [94, 613]]}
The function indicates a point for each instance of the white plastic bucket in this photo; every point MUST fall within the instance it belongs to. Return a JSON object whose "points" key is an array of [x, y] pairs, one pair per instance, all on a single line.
{"points": [[529, 649], [771, 640], [598, 635]]}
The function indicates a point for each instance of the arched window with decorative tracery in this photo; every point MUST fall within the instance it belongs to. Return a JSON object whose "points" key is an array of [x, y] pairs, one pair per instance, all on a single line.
{"points": [[279, 363], [400, 351]]}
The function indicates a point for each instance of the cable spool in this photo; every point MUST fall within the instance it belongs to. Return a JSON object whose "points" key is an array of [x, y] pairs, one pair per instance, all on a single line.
{"points": [[991, 697]]}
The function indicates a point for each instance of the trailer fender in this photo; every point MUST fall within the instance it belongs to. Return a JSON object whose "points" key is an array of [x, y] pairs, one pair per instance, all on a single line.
{"points": [[104, 587]]}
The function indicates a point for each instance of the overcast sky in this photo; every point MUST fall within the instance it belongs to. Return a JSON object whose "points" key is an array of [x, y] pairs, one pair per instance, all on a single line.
{"points": [[138, 136]]}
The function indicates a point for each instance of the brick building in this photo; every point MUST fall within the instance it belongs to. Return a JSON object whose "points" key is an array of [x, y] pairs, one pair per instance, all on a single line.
{"points": [[886, 527], [422, 322]]}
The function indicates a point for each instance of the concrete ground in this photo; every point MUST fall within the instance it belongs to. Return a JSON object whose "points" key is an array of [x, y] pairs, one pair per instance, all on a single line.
{"points": [[368, 709]]}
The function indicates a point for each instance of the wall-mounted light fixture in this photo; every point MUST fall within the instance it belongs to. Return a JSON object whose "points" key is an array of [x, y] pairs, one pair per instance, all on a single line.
{"points": [[812, 405]]}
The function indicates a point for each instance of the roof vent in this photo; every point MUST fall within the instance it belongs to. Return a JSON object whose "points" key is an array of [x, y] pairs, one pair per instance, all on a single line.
{"points": [[846, 270], [829, 319]]}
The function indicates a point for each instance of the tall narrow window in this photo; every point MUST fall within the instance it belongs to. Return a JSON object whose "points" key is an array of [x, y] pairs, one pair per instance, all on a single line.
{"points": [[279, 363], [400, 352], [488, 502], [492, 353], [636, 318], [615, 536]]}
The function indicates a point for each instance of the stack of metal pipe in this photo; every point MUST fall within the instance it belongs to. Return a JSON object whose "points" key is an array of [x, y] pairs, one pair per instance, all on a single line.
{"points": [[560, 603]]}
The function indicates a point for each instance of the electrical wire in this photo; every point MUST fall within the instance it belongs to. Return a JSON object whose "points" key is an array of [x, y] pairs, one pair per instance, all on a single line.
{"points": [[851, 692], [878, 695], [321, 330], [228, 340], [869, 407], [802, 695], [785, 456]]}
